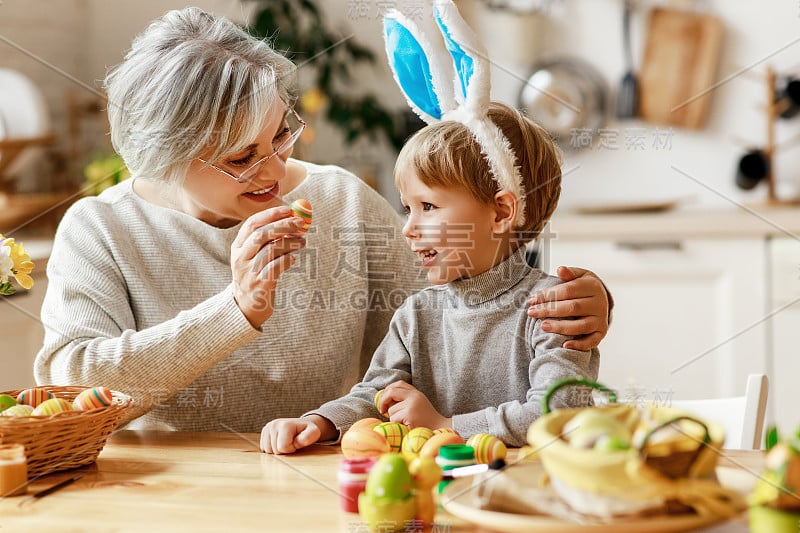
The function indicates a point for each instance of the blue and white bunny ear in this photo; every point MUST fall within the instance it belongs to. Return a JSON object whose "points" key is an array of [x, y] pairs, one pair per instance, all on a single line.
{"points": [[470, 59], [418, 70], [425, 75], [473, 88]]}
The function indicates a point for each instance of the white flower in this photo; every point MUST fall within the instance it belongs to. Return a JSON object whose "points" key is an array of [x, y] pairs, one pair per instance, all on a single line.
{"points": [[6, 263]]}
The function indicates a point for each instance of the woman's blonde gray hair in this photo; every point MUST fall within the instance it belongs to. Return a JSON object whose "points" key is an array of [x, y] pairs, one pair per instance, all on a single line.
{"points": [[191, 84]]}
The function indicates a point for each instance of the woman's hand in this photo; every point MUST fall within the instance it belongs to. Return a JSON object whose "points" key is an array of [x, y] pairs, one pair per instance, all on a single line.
{"points": [[583, 304], [260, 253], [409, 406]]}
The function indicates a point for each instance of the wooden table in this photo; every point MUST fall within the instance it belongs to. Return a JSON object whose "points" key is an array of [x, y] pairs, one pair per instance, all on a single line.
{"points": [[191, 482]]}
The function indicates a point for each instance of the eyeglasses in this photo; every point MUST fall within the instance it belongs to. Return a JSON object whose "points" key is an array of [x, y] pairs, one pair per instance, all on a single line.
{"points": [[293, 127]]}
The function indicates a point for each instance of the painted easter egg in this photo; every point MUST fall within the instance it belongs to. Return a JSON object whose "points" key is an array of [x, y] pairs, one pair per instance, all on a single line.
{"points": [[432, 445], [487, 448], [368, 423], [394, 432], [414, 441], [444, 430], [377, 401], [18, 410], [388, 497], [34, 397], [93, 399], [6, 401], [52, 406], [302, 208], [363, 442]]}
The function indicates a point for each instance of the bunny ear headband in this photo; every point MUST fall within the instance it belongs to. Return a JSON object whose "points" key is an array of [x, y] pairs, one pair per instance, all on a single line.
{"points": [[455, 87]]}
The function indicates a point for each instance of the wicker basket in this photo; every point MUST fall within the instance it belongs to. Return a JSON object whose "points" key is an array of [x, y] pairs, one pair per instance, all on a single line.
{"points": [[639, 479], [64, 440]]}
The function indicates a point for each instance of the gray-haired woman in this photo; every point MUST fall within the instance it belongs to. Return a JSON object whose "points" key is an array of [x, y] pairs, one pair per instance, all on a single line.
{"points": [[166, 286]]}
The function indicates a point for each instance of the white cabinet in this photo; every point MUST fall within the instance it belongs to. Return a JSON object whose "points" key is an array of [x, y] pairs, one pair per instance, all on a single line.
{"points": [[689, 316], [21, 333], [784, 326]]}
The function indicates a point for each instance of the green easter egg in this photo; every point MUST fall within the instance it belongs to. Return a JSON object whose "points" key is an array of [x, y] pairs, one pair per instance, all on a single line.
{"points": [[768, 520], [612, 444], [389, 478], [381, 514], [6, 401]]}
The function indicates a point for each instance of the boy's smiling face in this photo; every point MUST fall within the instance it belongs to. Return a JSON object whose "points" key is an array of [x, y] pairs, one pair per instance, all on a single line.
{"points": [[452, 233]]}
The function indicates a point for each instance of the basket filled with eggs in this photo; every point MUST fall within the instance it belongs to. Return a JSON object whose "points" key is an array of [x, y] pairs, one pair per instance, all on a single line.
{"points": [[60, 427], [626, 460]]}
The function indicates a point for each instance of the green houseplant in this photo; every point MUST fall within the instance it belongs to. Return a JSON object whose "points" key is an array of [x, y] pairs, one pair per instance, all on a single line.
{"points": [[297, 28]]}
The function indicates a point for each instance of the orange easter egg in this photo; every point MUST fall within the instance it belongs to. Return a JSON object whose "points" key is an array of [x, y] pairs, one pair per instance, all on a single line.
{"points": [[432, 445], [444, 430], [363, 442], [414, 441], [487, 448], [394, 432], [33, 397], [302, 208], [93, 399], [52, 406], [368, 423]]}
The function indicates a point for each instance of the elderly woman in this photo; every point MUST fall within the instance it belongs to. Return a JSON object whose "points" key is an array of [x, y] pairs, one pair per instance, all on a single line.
{"points": [[192, 286]]}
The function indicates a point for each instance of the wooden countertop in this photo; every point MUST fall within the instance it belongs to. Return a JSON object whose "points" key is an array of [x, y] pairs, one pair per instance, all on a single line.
{"points": [[172, 481], [683, 223]]}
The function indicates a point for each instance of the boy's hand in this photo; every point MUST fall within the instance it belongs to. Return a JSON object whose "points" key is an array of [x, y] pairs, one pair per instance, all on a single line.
{"points": [[409, 406], [582, 300], [287, 435]]}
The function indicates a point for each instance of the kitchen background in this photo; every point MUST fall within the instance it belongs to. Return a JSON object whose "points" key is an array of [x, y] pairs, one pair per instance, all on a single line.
{"points": [[84, 37], [707, 276]]}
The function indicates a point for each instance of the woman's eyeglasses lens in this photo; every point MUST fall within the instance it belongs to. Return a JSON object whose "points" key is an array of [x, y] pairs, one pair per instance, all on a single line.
{"points": [[281, 145]]}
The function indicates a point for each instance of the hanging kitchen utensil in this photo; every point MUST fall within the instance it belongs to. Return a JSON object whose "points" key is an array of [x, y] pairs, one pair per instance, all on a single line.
{"points": [[679, 67], [628, 95], [566, 96]]}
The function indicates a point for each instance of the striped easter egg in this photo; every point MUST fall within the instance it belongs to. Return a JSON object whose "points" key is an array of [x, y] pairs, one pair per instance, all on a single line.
{"points": [[18, 410], [487, 448], [93, 399], [377, 401], [302, 208], [34, 397], [364, 442], [444, 430], [394, 433], [52, 407], [414, 441]]}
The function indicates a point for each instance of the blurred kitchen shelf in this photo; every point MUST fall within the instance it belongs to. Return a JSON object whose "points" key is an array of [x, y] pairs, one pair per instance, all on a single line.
{"points": [[20, 210]]}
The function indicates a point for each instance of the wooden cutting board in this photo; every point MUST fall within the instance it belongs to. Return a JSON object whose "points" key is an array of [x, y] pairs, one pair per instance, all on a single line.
{"points": [[679, 67]]}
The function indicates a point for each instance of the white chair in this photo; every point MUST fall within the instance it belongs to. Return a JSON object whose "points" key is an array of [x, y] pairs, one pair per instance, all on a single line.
{"points": [[741, 416]]}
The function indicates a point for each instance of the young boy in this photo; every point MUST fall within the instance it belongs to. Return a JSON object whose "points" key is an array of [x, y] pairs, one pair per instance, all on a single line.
{"points": [[463, 353]]}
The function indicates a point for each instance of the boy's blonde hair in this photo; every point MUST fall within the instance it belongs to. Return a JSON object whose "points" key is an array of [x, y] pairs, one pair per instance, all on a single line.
{"points": [[446, 154]]}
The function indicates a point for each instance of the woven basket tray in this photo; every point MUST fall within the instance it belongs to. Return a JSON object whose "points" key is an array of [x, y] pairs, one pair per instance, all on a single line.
{"points": [[64, 440]]}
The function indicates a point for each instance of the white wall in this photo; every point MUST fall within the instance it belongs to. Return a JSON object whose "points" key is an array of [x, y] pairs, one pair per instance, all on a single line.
{"points": [[83, 37], [114, 23]]}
